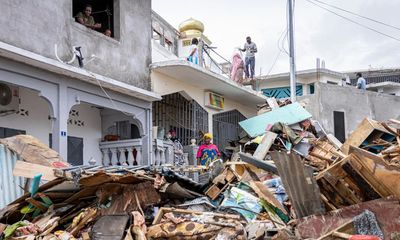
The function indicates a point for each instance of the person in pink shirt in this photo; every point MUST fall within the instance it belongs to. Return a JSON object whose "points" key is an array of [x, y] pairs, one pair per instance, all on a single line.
{"points": [[207, 152]]}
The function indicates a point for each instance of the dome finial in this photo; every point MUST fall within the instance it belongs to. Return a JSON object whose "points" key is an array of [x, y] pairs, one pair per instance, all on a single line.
{"points": [[191, 26]]}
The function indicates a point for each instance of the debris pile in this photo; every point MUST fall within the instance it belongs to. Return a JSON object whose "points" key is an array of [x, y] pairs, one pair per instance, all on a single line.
{"points": [[287, 179]]}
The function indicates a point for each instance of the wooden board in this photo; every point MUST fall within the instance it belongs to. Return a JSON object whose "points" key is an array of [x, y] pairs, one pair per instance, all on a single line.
{"points": [[265, 145], [382, 177], [361, 133], [262, 192], [342, 232], [337, 186], [29, 170], [32, 150]]}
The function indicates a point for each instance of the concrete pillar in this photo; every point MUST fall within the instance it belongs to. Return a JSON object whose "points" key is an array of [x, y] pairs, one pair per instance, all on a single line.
{"points": [[306, 89], [148, 156], [60, 126], [210, 122]]}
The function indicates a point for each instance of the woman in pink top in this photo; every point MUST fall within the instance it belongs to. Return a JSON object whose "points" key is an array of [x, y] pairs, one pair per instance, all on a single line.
{"points": [[237, 68], [207, 152]]}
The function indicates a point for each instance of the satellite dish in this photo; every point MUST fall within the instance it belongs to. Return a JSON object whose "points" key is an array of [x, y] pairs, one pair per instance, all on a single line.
{"points": [[5, 94]]}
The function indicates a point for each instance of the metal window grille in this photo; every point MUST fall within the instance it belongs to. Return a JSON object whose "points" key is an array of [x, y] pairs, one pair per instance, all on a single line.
{"points": [[185, 116], [226, 127]]}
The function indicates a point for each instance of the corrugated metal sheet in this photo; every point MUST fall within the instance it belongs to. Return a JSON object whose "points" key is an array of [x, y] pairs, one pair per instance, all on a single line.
{"points": [[299, 184], [9, 185]]}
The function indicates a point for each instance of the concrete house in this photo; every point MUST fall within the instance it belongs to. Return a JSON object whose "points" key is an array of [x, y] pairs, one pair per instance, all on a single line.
{"points": [[278, 85], [195, 97], [45, 93]]}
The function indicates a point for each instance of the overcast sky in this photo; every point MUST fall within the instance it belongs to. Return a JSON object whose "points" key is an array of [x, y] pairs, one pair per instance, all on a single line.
{"points": [[342, 44]]}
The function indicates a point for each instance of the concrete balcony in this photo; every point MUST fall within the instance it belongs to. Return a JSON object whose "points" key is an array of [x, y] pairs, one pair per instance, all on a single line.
{"points": [[123, 152], [129, 152]]}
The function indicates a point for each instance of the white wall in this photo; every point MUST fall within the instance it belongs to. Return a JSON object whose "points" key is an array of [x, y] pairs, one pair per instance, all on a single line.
{"points": [[164, 85], [356, 105], [90, 131], [159, 53], [271, 83], [36, 122]]}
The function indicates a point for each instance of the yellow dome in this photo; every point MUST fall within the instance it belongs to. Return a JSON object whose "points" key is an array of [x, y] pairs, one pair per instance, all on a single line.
{"points": [[191, 25]]}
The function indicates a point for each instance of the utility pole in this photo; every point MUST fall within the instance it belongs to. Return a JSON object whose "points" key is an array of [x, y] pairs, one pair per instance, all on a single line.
{"points": [[291, 53]]}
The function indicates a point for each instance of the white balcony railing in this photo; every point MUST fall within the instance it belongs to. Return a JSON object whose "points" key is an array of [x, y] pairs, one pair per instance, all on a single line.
{"points": [[163, 152], [123, 152], [129, 152]]}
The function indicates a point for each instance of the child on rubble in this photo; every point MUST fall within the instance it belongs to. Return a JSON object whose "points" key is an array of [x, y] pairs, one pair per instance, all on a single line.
{"points": [[207, 152]]}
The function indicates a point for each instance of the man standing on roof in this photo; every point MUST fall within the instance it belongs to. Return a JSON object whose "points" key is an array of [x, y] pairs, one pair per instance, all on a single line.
{"points": [[361, 83], [250, 60]]}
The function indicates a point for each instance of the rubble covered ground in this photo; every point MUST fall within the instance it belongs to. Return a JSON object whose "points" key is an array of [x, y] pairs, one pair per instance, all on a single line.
{"points": [[286, 178]]}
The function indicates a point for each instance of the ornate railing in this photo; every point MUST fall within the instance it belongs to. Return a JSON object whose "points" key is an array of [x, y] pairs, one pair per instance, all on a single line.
{"points": [[129, 152]]}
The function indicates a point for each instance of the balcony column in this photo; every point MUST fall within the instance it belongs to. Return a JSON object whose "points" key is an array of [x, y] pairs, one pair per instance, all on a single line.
{"points": [[130, 156], [106, 157], [114, 157], [139, 155], [122, 157]]}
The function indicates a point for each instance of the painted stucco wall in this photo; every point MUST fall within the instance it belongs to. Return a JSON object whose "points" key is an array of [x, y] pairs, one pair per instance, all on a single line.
{"points": [[356, 105], [90, 131], [159, 53], [34, 116], [164, 85], [38, 25], [272, 83], [34, 119]]}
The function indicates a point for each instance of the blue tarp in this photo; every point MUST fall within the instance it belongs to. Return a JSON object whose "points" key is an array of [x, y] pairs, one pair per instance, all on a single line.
{"points": [[289, 114]]}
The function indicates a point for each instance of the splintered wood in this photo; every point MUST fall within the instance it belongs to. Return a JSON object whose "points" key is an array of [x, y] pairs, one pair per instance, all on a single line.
{"points": [[323, 154]]}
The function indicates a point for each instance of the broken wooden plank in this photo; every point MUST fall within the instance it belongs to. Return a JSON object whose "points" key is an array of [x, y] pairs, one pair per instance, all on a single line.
{"points": [[338, 187], [32, 150], [263, 193], [340, 232], [382, 177], [363, 132], [37, 204], [265, 145], [29, 170]]}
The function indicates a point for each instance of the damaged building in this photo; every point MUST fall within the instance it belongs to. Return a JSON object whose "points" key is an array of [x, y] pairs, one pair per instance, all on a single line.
{"points": [[85, 152]]}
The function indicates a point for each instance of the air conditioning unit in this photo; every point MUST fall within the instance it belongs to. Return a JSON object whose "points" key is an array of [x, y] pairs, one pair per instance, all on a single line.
{"points": [[9, 99]]}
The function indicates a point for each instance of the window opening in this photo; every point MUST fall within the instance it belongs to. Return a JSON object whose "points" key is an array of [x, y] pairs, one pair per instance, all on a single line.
{"points": [[102, 13]]}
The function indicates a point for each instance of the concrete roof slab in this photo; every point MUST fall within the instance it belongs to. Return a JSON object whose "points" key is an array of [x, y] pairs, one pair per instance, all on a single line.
{"points": [[204, 79]]}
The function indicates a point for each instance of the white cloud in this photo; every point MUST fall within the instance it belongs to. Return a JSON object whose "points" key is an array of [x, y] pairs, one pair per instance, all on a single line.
{"points": [[342, 44]]}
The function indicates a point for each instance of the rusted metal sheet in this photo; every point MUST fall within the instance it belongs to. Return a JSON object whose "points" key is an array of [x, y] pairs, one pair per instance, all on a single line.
{"points": [[9, 185], [387, 212], [299, 184]]}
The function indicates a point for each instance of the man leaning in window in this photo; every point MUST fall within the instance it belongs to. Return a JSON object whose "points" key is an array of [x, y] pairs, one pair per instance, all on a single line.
{"points": [[87, 19]]}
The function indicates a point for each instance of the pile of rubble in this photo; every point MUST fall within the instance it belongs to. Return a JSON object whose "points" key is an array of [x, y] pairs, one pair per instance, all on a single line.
{"points": [[288, 180]]}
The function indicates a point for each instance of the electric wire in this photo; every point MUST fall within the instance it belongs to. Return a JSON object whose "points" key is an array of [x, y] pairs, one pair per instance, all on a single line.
{"points": [[355, 22], [358, 15]]}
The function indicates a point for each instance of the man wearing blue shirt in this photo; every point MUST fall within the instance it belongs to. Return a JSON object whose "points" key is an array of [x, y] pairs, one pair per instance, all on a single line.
{"points": [[361, 83]]}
